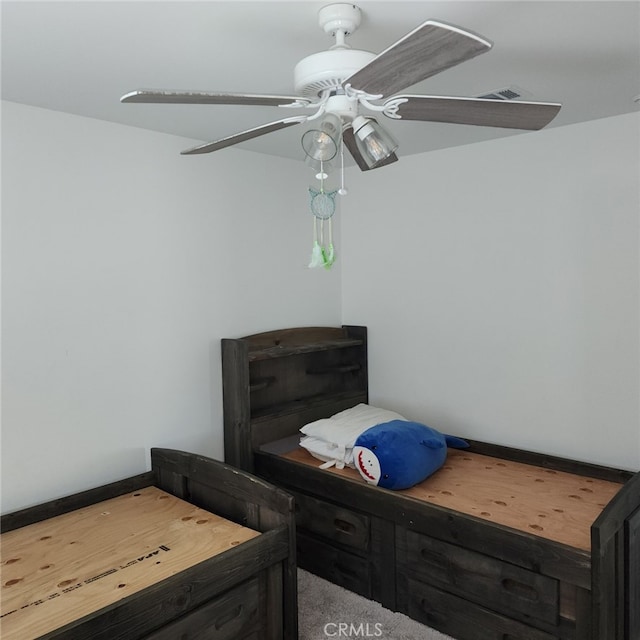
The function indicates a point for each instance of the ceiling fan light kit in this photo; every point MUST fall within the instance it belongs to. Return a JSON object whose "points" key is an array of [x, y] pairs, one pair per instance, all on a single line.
{"points": [[343, 81], [337, 84], [322, 143], [374, 143]]}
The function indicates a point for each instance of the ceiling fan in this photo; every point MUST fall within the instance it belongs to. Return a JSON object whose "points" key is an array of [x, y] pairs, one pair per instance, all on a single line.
{"points": [[342, 84]]}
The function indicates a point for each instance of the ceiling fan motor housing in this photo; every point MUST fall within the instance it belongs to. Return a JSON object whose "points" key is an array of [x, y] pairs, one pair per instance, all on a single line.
{"points": [[327, 70], [339, 16]]}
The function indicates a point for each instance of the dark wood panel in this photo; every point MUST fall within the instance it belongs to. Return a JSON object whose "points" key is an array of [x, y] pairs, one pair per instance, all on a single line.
{"points": [[275, 613], [283, 421], [231, 616], [278, 383], [632, 576], [340, 567], [57, 507], [275, 382], [174, 482], [464, 620], [228, 506], [333, 522], [524, 550], [613, 516], [550, 462], [247, 500], [246, 489], [288, 342], [480, 578], [383, 562], [583, 614], [294, 336], [281, 351], [237, 407], [615, 546]]}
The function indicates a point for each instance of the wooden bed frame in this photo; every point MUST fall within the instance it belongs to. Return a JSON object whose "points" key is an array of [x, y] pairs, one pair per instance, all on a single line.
{"points": [[500, 572], [234, 581]]}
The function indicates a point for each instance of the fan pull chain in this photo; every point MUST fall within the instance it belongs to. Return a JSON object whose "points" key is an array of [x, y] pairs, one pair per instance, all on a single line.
{"points": [[342, 190]]}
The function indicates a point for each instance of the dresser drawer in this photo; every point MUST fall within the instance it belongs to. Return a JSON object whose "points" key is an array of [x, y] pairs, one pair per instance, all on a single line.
{"points": [[465, 620], [230, 616], [497, 585], [340, 567], [332, 522]]}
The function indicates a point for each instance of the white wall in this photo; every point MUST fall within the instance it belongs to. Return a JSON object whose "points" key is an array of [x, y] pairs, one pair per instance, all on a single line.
{"points": [[124, 264], [499, 282], [500, 285]]}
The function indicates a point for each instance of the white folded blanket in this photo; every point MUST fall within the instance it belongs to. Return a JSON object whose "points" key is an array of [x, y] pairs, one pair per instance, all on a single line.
{"points": [[331, 439]]}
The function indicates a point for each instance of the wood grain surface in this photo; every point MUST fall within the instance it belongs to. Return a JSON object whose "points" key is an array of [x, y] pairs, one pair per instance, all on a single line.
{"points": [[58, 570], [555, 505]]}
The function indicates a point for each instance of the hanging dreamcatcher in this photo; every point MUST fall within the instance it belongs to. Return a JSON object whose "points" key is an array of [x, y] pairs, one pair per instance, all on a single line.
{"points": [[321, 145], [323, 206]]}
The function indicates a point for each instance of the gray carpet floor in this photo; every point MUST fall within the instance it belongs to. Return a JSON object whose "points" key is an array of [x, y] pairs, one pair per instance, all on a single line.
{"points": [[328, 611]]}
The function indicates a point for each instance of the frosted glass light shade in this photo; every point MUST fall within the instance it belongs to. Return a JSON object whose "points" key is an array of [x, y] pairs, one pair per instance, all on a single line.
{"points": [[322, 143], [374, 143]]}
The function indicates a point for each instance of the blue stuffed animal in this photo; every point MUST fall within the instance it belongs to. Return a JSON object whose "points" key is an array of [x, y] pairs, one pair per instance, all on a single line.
{"points": [[399, 454]]}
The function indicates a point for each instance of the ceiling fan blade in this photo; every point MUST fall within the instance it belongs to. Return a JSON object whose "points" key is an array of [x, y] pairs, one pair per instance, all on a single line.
{"points": [[510, 114], [429, 49], [199, 97], [244, 135], [349, 140]]}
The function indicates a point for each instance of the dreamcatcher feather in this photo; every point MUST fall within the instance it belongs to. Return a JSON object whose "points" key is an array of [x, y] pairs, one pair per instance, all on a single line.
{"points": [[323, 206]]}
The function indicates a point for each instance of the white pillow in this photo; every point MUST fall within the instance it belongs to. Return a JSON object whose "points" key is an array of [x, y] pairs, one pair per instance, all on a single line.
{"points": [[323, 450], [332, 439]]}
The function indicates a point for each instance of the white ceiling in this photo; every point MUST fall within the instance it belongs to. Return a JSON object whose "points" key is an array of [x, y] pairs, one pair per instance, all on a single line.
{"points": [[80, 57]]}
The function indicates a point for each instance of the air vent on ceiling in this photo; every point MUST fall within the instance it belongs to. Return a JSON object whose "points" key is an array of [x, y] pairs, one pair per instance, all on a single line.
{"points": [[506, 93]]}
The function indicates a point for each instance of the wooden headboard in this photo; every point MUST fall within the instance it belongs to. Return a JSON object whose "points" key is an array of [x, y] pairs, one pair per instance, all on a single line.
{"points": [[275, 382]]}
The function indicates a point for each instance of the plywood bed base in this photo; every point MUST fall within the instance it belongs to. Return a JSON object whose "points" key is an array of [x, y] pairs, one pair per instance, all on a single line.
{"points": [[192, 549], [499, 544]]}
